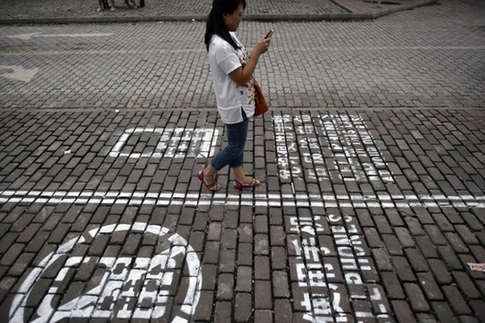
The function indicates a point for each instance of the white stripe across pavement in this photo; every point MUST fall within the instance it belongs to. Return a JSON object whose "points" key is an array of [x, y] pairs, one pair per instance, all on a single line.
{"points": [[73, 35], [167, 198]]}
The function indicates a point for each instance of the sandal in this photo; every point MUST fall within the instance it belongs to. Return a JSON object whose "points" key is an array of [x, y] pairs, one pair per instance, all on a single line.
{"points": [[211, 187], [239, 186]]}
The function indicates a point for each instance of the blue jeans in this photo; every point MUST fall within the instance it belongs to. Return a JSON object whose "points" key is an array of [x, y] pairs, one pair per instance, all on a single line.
{"points": [[233, 154]]}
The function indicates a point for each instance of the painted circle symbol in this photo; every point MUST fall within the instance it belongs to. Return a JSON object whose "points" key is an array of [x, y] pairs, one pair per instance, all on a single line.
{"points": [[163, 287]]}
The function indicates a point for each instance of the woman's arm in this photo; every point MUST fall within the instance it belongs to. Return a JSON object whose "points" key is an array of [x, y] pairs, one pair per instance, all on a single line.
{"points": [[243, 74]]}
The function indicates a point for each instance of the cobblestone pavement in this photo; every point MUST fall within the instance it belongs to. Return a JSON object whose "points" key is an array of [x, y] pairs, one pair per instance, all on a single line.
{"points": [[85, 11], [15, 9], [372, 205], [386, 63]]}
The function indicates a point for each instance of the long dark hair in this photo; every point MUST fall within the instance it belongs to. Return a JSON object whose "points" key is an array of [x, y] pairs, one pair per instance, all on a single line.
{"points": [[215, 21]]}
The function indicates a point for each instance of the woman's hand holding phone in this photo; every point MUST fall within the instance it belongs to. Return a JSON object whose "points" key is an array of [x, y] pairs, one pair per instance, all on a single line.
{"points": [[263, 45], [269, 34]]}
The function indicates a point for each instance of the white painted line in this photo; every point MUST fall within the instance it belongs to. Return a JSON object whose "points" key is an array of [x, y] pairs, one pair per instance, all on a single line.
{"points": [[31, 35], [275, 200]]}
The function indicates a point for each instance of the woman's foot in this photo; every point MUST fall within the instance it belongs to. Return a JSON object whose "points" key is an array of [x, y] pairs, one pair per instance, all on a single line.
{"points": [[208, 181], [246, 183]]}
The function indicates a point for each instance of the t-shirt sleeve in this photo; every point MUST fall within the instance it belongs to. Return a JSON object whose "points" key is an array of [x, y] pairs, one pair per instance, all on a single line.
{"points": [[227, 58]]}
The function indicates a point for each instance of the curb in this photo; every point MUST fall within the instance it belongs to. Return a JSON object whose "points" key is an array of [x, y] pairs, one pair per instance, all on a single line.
{"points": [[184, 18]]}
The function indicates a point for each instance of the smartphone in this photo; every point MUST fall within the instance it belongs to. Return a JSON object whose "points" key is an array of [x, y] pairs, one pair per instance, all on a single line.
{"points": [[269, 34]]}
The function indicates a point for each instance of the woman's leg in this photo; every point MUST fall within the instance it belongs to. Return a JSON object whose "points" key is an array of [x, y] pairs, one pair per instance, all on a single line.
{"points": [[237, 138], [232, 155]]}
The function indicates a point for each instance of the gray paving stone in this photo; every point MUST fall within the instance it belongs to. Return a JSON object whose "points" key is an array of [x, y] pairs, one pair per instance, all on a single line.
{"points": [[243, 307], [392, 244], [278, 258], [430, 286], [262, 292], [456, 300], [448, 255], [206, 306], [222, 312], [466, 285], [478, 308], [393, 287], [403, 269], [225, 287], [416, 297], [282, 310], [227, 262], [403, 312]]}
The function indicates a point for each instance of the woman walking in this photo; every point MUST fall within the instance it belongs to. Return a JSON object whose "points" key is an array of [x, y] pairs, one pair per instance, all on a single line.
{"points": [[232, 70]]}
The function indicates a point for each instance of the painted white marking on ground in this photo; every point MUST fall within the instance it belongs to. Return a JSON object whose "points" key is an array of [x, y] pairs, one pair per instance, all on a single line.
{"points": [[274, 200], [18, 72], [31, 35], [173, 143], [324, 298], [143, 285], [337, 147]]}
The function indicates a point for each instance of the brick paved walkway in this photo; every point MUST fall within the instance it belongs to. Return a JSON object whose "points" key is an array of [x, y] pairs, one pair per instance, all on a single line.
{"points": [[361, 215], [372, 204], [82, 10]]}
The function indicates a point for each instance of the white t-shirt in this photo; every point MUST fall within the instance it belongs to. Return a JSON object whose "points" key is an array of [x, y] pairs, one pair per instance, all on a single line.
{"points": [[230, 97]]}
